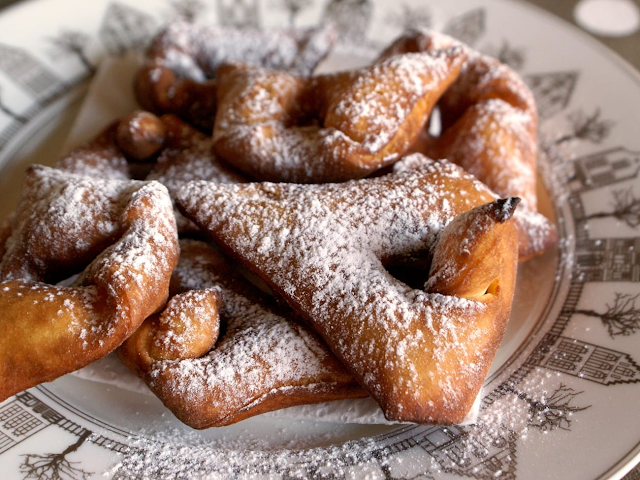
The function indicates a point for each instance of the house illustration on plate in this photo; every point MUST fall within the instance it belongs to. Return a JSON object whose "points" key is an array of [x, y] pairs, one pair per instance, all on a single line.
{"points": [[28, 73], [125, 28], [552, 90], [605, 168], [608, 260], [23, 417], [460, 451], [585, 360], [467, 27]]}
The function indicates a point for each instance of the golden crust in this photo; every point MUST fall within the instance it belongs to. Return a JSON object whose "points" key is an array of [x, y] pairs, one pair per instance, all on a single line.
{"points": [[123, 233], [263, 361], [140, 135], [279, 127], [180, 69], [422, 355], [489, 127]]}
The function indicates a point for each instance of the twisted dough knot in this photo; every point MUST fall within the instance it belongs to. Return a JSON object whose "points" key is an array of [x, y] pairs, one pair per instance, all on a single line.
{"points": [[262, 361], [279, 127], [142, 145], [489, 127], [123, 232]]}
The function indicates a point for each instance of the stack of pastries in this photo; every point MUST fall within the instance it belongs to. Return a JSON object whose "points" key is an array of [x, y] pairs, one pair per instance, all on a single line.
{"points": [[258, 236]]}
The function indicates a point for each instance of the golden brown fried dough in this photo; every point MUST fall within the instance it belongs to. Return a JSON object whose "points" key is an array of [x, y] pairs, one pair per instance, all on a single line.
{"points": [[141, 145], [179, 74], [279, 127], [489, 128], [140, 135], [263, 361], [188, 155], [422, 354], [118, 236], [123, 150]]}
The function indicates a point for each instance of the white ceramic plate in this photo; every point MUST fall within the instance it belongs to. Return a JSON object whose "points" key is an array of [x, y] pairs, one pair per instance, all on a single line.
{"points": [[562, 397]]}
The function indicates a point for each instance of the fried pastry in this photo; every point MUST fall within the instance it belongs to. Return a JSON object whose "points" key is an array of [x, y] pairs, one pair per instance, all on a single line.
{"points": [[489, 127], [421, 354], [262, 361], [123, 150], [99, 157], [118, 237], [187, 155], [276, 126], [142, 145], [140, 135], [179, 74]]}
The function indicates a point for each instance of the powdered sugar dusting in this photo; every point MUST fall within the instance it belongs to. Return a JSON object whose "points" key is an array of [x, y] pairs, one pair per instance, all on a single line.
{"points": [[155, 458], [194, 161], [188, 326], [65, 220], [322, 252], [489, 127], [146, 253], [260, 354], [380, 99], [497, 148], [67, 215], [192, 158], [90, 162], [333, 127]]}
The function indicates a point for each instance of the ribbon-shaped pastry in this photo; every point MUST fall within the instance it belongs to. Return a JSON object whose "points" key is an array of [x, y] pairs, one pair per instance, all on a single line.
{"points": [[421, 353], [119, 237]]}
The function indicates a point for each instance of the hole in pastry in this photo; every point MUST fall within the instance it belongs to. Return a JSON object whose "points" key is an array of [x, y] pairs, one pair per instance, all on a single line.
{"points": [[435, 123], [69, 281], [308, 115], [412, 276], [492, 289]]}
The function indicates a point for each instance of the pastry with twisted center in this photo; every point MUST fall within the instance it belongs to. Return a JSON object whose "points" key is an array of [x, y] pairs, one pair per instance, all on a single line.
{"points": [[165, 149], [187, 155], [262, 361], [179, 74], [421, 354], [120, 151], [489, 128], [276, 126], [119, 237]]}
